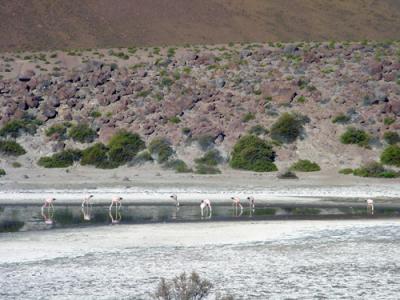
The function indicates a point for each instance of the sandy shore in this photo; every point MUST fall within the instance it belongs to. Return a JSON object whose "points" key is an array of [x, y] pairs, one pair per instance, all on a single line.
{"points": [[151, 184], [28, 246]]}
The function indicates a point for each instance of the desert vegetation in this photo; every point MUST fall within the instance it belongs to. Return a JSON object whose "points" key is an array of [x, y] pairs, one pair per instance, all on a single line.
{"points": [[63, 159], [253, 154], [11, 148], [355, 136], [288, 127], [305, 165], [391, 156]]}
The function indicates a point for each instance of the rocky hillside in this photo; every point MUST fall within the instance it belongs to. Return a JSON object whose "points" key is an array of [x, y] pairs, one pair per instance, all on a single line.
{"points": [[58, 24], [218, 91]]}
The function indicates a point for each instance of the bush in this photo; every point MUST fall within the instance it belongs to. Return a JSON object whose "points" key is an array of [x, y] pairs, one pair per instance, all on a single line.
{"points": [[175, 120], [391, 137], [248, 117], [206, 169], [142, 158], [16, 164], [375, 169], [341, 119], [183, 287], [253, 153], [62, 159], [178, 165], [346, 171], [258, 130], [391, 156], [288, 127], [389, 121], [11, 148], [287, 175], [161, 149], [15, 128], [2, 172], [205, 142], [355, 136], [97, 155], [82, 133], [210, 158], [305, 166], [124, 146], [59, 129]]}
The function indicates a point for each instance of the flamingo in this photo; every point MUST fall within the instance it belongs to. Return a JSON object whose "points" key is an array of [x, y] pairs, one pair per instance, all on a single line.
{"points": [[205, 204], [86, 207], [236, 203], [370, 206], [252, 202], [175, 197], [117, 201], [48, 203]]}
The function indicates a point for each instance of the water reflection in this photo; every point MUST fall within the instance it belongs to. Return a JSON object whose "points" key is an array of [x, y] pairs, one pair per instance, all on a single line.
{"points": [[87, 208], [116, 215], [30, 217], [48, 214]]}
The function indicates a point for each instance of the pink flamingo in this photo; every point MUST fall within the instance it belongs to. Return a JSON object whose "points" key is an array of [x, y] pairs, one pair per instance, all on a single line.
{"points": [[236, 203], [252, 202], [116, 200], [48, 203], [175, 197], [86, 207], [370, 206], [206, 204]]}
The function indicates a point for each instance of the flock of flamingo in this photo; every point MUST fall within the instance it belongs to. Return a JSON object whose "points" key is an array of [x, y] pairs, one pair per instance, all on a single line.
{"points": [[116, 201]]}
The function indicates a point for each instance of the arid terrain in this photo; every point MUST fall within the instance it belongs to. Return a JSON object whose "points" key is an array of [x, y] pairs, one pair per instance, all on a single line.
{"points": [[56, 24], [222, 92]]}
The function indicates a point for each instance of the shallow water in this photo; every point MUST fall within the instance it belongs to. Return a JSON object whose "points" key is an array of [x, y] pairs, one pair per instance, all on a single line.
{"points": [[333, 261], [32, 217]]}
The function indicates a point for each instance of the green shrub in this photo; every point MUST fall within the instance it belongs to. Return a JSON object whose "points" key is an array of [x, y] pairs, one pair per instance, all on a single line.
{"points": [[2, 172], [288, 127], [346, 171], [186, 130], [391, 137], [161, 149], [305, 165], [375, 169], [210, 158], [124, 146], [253, 153], [355, 136], [15, 128], [287, 175], [95, 114], [178, 165], [391, 156], [258, 130], [62, 159], [342, 119], [11, 148], [175, 120], [206, 169], [389, 121], [97, 155], [142, 157], [82, 133], [248, 117], [59, 129], [16, 164], [205, 142]]}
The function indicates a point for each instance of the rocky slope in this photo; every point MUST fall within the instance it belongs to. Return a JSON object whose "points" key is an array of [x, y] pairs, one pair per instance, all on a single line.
{"points": [[221, 91], [58, 24]]}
